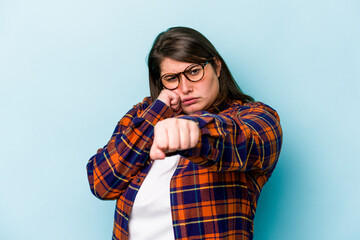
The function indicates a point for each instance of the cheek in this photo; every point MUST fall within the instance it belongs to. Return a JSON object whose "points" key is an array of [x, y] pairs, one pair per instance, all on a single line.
{"points": [[214, 88], [177, 91]]}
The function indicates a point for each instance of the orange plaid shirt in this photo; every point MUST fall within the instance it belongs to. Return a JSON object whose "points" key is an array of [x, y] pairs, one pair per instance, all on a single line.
{"points": [[215, 188]]}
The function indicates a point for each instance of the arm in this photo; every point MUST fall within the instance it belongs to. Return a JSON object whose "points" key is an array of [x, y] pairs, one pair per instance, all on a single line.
{"points": [[244, 138], [117, 163]]}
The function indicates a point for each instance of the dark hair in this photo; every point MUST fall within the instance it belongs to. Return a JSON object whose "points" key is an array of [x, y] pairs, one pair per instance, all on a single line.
{"points": [[188, 45]]}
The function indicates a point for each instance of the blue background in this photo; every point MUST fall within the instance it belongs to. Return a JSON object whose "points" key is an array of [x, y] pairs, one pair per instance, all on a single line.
{"points": [[69, 70]]}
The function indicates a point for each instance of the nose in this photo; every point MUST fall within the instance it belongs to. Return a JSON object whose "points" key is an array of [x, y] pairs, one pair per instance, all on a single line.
{"points": [[185, 85]]}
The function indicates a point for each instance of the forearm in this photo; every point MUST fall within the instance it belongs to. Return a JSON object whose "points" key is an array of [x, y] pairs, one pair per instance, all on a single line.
{"points": [[115, 165], [248, 139]]}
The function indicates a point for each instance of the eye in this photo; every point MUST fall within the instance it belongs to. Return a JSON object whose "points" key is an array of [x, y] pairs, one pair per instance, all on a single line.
{"points": [[170, 78], [194, 70]]}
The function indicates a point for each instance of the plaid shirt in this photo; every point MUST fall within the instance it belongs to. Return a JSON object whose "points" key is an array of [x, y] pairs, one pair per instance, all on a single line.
{"points": [[215, 188]]}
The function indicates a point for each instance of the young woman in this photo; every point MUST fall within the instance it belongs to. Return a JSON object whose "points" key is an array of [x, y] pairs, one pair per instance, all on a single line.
{"points": [[190, 161]]}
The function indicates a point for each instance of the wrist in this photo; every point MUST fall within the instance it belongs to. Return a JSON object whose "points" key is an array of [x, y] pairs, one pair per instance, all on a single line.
{"points": [[165, 100]]}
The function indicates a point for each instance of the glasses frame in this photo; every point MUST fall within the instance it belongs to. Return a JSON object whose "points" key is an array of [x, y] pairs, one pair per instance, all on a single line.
{"points": [[183, 73]]}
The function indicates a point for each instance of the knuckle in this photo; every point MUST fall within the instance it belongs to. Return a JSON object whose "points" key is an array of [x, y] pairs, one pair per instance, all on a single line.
{"points": [[161, 145]]}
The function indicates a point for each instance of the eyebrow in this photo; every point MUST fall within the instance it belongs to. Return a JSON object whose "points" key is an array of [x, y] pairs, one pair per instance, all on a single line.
{"points": [[175, 73]]}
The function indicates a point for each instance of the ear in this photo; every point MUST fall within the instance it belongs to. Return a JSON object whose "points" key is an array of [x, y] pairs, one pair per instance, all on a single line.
{"points": [[218, 67]]}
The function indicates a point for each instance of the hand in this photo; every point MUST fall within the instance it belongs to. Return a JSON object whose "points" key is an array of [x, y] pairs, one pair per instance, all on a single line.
{"points": [[173, 134], [171, 99]]}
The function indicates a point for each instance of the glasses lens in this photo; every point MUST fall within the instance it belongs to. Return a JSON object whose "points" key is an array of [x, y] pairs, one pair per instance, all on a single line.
{"points": [[194, 72], [170, 81]]}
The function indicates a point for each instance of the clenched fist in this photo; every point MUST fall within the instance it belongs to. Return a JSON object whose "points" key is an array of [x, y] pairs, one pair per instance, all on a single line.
{"points": [[171, 99], [173, 134]]}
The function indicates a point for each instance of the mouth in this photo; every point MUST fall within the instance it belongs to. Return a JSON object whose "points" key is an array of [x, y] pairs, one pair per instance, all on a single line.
{"points": [[189, 101]]}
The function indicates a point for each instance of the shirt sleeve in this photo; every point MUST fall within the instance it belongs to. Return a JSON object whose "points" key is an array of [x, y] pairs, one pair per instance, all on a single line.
{"points": [[246, 138], [112, 168]]}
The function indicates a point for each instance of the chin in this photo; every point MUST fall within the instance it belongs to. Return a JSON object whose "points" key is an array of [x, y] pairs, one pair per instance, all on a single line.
{"points": [[187, 112], [191, 110]]}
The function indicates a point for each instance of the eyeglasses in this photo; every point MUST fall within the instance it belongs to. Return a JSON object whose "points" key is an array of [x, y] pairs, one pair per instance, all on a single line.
{"points": [[194, 72]]}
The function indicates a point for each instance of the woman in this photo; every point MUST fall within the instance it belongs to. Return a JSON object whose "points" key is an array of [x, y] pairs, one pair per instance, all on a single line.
{"points": [[189, 162]]}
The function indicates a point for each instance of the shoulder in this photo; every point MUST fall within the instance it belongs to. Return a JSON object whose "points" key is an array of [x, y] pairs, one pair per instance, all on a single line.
{"points": [[257, 108]]}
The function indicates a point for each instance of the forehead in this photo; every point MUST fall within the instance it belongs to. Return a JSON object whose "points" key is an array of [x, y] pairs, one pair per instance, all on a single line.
{"points": [[169, 65]]}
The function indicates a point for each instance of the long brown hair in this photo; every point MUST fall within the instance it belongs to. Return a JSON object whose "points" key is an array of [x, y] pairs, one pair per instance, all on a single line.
{"points": [[188, 45]]}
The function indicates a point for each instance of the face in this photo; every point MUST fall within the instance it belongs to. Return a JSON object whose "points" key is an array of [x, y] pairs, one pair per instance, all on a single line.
{"points": [[195, 96]]}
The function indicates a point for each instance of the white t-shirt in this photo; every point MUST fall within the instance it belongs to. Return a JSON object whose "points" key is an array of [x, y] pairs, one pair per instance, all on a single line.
{"points": [[150, 217]]}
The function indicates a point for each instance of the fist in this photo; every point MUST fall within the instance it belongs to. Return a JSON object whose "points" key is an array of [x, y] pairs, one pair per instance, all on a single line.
{"points": [[171, 99], [173, 134]]}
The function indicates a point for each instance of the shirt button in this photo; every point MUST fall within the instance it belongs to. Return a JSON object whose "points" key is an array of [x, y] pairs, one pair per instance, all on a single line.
{"points": [[138, 180]]}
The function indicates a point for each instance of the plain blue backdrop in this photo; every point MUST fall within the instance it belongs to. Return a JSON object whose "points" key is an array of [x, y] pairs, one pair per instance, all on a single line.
{"points": [[70, 69]]}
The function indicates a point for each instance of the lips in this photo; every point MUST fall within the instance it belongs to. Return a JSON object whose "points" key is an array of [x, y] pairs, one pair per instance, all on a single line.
{"points": [[189, 101]]}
